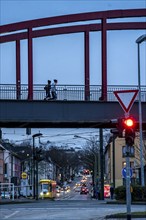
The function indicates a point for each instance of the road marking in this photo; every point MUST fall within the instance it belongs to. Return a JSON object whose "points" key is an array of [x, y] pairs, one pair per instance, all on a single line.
{"points": [[8, 216]]}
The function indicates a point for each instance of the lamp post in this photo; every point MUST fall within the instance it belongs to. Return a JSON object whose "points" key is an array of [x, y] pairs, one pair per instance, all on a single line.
{"points": [[95, 161], [139, 40], [34, 163]]}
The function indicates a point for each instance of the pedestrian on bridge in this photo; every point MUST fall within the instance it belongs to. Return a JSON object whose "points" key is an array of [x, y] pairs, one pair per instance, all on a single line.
{"points": [[48, 90], [53, 89]]}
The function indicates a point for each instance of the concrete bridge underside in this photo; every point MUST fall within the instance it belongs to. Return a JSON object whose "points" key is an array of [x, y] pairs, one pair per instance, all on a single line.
{"points": [[61, 114]]}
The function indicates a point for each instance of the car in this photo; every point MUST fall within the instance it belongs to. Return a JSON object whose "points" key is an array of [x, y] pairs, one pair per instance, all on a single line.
{"points": [[83, 181], [67, 187], [83, 184], [78, 189], [69, 181], [84, 190], [58, 189], [5, 195], [106, 191], [78, 184]]}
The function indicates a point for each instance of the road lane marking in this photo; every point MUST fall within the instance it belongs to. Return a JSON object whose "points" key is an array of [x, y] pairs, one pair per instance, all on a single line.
{"points": [[8, 216]]}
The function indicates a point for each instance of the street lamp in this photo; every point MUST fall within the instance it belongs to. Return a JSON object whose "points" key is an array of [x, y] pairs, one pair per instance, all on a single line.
{"points": [[95, 161], [34, 163], [139, 40]]}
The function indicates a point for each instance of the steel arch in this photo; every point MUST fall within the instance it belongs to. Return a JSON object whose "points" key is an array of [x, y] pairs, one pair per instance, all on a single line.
{"points": [[29, 30]]}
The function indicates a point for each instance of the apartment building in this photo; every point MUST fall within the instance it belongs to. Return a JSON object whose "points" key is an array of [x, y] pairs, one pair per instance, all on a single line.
{"points": [[115, 161], [1, 163]]}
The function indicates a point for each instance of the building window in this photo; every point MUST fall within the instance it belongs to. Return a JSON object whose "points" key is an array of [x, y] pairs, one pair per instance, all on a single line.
{"points": [[5, 168], [1, 170]]}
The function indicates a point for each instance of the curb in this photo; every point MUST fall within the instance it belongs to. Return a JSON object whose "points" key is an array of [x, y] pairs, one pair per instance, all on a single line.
{"points": [[124, 216], [16, 202], [123, 202]]}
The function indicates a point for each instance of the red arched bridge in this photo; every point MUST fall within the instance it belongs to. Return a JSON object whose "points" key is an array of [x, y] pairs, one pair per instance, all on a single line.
{"points": [[79, 106]]}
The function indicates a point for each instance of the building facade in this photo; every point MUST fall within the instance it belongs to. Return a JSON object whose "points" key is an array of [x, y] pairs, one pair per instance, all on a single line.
{"points": [[115, 162], [1, 163]]}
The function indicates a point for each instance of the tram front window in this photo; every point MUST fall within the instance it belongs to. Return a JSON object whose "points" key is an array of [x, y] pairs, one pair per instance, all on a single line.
{"points": [[45, 187]]}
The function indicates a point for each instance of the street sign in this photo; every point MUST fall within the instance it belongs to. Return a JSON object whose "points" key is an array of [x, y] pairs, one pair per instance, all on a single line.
{"points": [[124, 172], [126, 98], [24, 175]]}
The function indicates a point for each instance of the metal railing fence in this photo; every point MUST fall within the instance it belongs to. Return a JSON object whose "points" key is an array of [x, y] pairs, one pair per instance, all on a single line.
{"points": [[65, 92]]}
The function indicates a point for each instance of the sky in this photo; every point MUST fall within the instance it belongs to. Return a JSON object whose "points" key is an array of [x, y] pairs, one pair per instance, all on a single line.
{"points": [[58, 137], [61, 57]]}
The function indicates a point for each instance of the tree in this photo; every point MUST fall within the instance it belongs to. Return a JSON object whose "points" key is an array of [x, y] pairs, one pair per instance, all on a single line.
{"points": [[64, 159]]}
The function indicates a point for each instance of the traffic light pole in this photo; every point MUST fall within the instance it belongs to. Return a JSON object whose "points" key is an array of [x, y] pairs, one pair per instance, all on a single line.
{"points": [[140, 40], [128, 191], [33, 158], [101, 165], [37, 195]]}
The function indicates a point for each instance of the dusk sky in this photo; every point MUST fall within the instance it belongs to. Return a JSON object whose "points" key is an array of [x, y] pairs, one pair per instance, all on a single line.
{"points": [[61, 57]]}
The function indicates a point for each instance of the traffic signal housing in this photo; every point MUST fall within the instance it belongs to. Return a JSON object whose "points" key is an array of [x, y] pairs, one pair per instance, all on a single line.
{"points": [[118, 131], [129, 125], [120, 126], [39, 154]]}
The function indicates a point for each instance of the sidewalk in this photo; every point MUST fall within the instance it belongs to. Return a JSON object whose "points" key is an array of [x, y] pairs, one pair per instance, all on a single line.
{"points": [[20, 200], [30, 199]]}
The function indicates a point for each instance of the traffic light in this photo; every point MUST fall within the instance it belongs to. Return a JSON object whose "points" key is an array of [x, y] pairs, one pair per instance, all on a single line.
{"points": [[39, 154], [118, 131], [120, 127], [129, 125]]}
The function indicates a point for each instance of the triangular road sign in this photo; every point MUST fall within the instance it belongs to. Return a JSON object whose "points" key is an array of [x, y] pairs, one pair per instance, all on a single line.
{"points": [[126, 98]]}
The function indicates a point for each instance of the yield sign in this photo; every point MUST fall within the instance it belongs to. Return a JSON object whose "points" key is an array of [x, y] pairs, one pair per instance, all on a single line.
{"points": [[126, 98]]}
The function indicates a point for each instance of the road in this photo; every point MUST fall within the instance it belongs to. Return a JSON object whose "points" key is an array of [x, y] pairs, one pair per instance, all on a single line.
{"points": [[68, 205], [62, 210]]}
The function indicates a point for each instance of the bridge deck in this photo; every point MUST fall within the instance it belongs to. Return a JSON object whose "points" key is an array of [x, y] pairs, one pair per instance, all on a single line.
{"points": [[25, 113]]}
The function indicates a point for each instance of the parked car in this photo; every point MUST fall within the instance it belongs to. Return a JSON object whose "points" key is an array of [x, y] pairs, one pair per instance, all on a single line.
{"points": [[5, 195]]}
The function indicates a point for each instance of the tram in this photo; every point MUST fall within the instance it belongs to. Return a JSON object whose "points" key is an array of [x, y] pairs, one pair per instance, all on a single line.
{"points": [[48, 189]]}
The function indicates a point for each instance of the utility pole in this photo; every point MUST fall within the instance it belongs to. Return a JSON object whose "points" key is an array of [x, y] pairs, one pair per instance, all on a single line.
{"points": [[139, 41], [37, 180], [113, 161], [101, 165], [34, 164]]}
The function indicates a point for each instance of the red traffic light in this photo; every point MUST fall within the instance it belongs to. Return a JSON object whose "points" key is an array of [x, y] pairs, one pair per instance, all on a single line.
{"points": [[129, 122]]}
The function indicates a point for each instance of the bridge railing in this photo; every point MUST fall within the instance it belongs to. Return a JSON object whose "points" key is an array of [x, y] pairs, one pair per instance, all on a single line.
{"points": [[65, 92]]}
